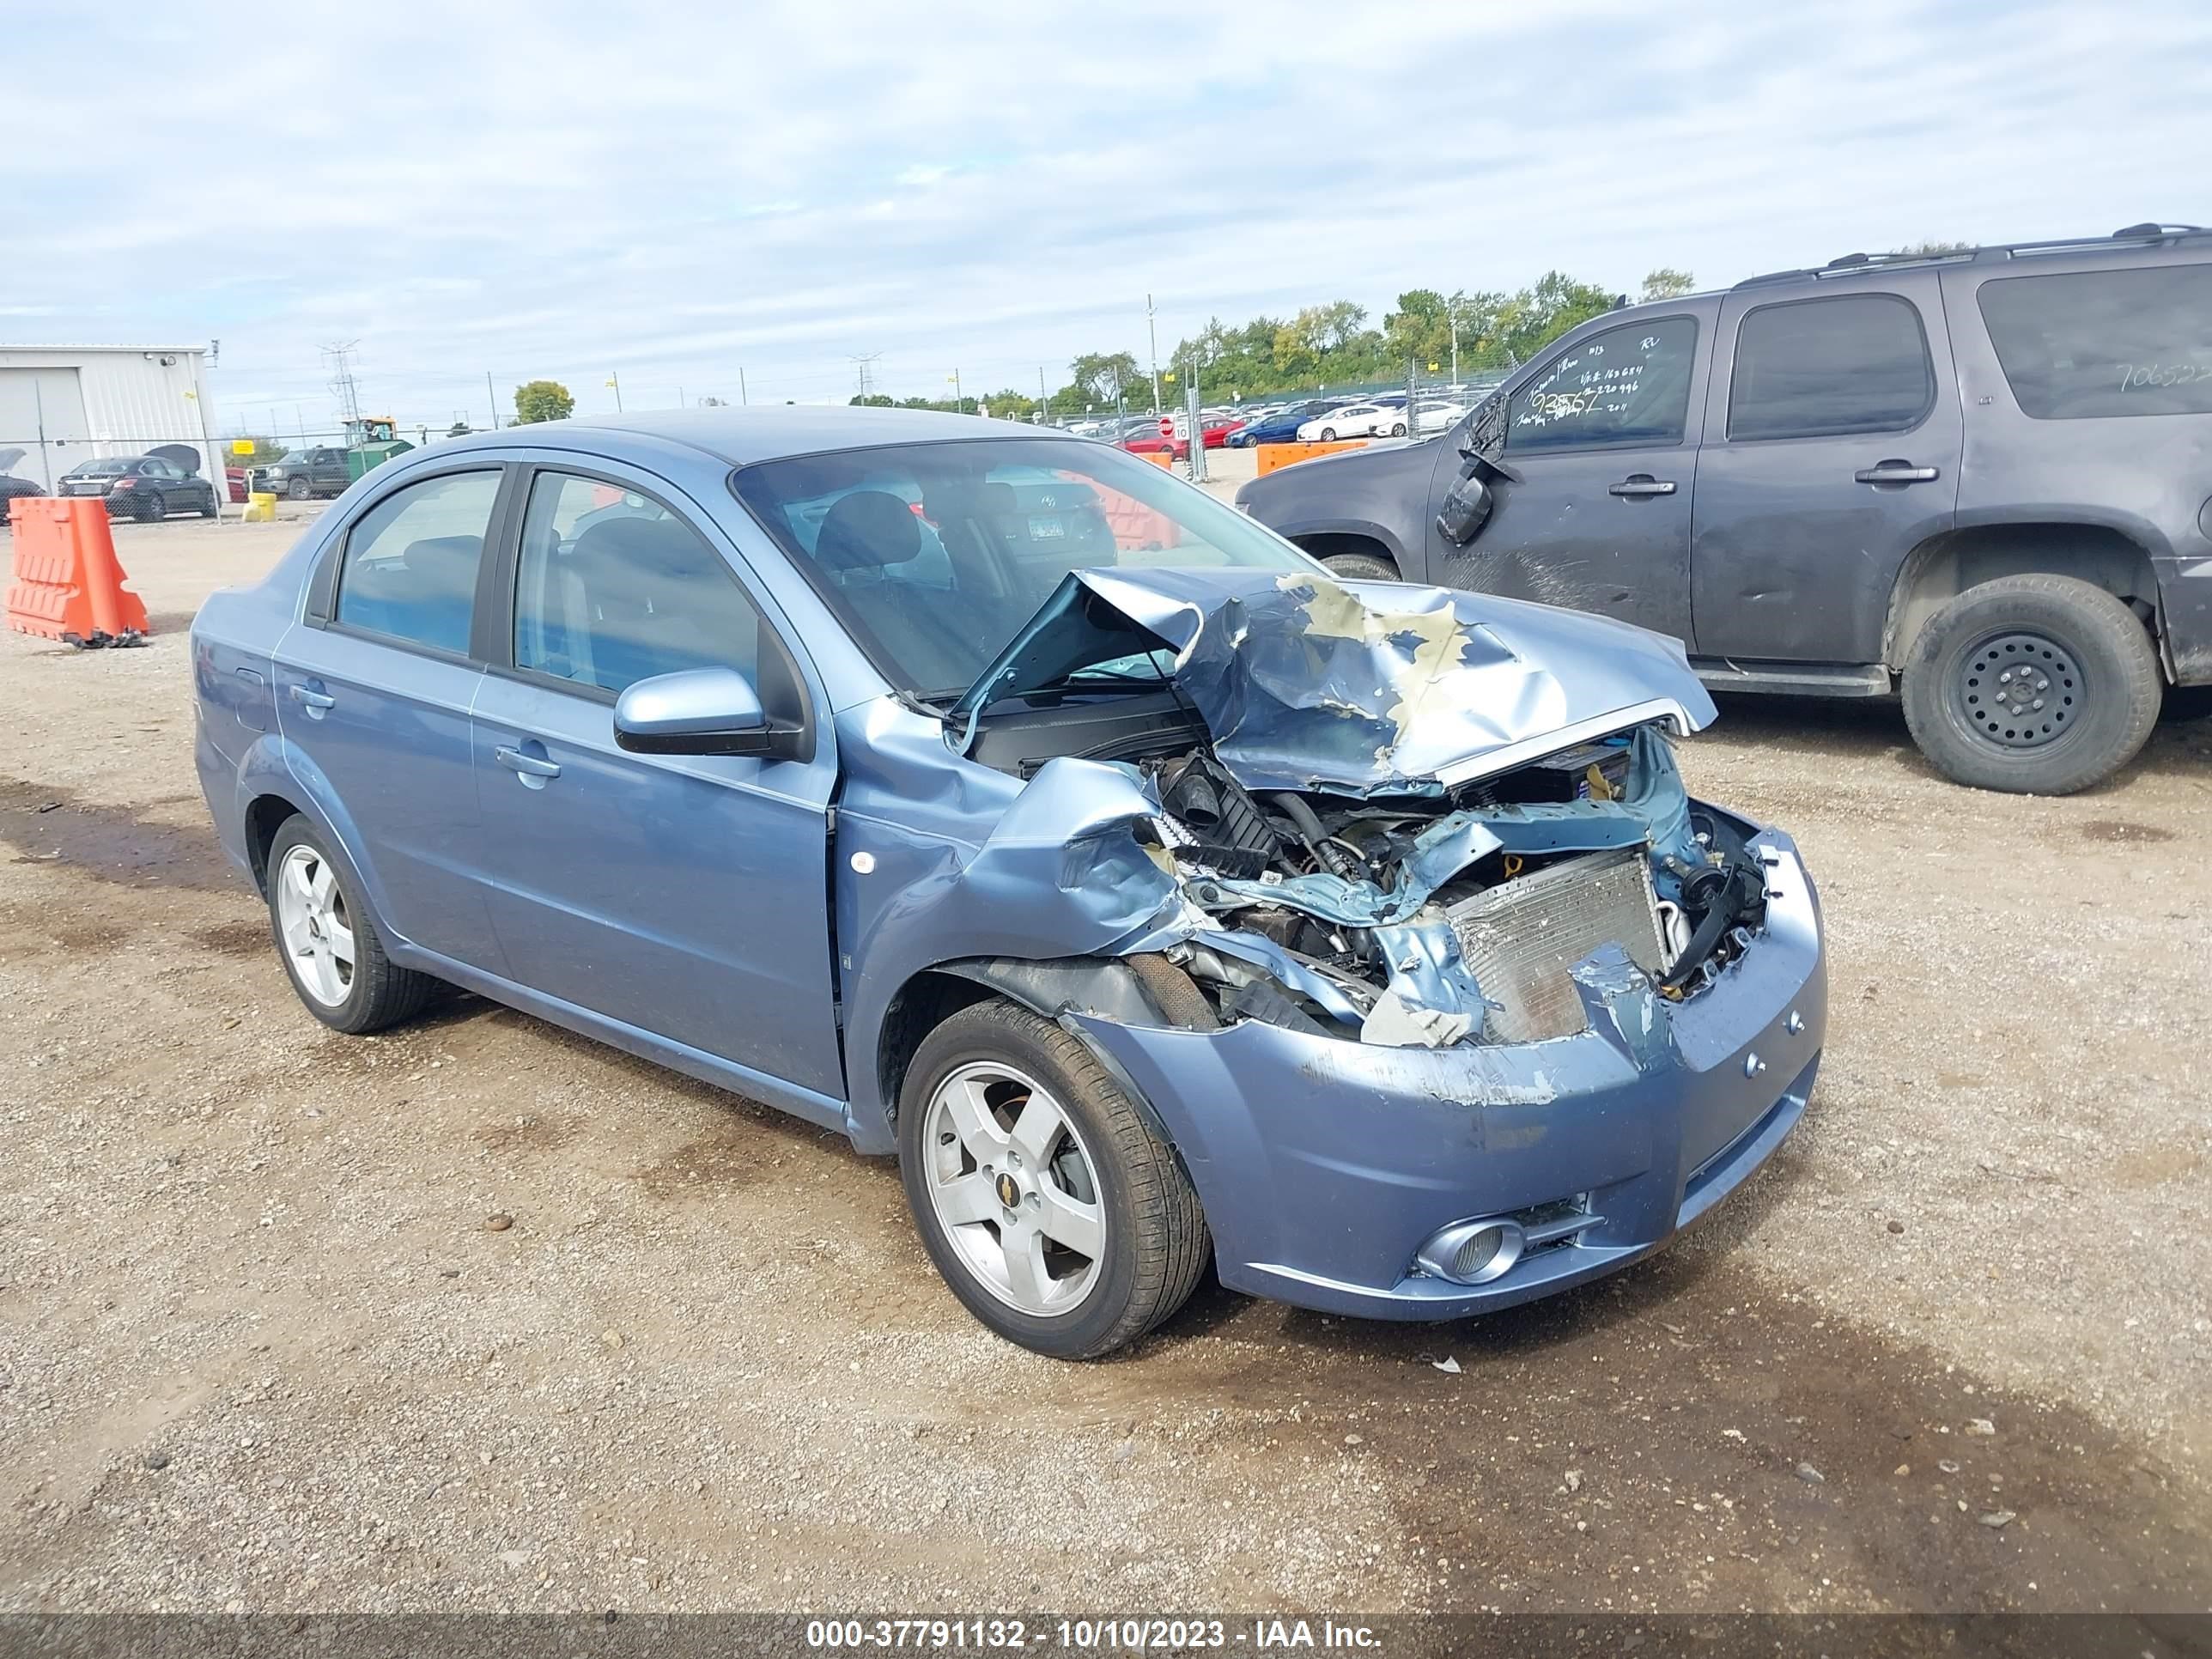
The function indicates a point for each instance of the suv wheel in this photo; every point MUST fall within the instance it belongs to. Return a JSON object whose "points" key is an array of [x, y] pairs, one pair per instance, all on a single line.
{"points": [[330, 944], [298, 490], [2035, 685], [1051, 1210], [1361, 567]]}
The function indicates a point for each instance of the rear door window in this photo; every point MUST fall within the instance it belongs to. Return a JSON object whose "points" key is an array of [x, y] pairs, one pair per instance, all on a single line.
{"points": [[410, 568], [1622, 386], [2082, 344], [1845, 364]]}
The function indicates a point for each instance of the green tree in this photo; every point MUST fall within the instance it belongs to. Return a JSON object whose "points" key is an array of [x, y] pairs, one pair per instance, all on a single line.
{"points": [[1924, 250], [1666, 282], [1094, 377], [542, 400], [1419, 331]]}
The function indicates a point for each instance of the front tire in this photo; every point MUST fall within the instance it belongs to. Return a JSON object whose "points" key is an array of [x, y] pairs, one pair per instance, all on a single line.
{"points": [[1054, 1212], [1398, 430], [330, 945], [1361, 567], [298, 490], [1328, 434], [2032, 685]]}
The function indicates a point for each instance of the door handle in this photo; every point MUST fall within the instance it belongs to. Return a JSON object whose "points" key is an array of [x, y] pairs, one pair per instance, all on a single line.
{"points": [[311, 696], [1897, 473], [1641, 483], [528, 765]]}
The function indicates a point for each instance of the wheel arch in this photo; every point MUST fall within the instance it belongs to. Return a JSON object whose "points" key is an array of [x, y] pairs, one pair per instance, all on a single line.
{"points": [[1945, 565], [1109, 987]]}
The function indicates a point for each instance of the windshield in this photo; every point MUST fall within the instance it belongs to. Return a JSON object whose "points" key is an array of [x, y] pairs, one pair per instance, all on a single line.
{"points": [[935, 555]]}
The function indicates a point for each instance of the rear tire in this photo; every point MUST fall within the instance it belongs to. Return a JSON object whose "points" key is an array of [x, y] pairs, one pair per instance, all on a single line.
{"points": [[993, 1059], [317, 916], [1361, 567], [147, 508], [2032, 685]]}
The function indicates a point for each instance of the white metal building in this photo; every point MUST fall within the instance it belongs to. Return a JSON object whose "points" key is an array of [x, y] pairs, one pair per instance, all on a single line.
{"points": [[60, 405]]}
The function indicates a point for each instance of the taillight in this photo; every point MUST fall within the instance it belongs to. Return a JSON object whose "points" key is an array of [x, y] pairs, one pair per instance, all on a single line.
{"points": [[122, 484]]}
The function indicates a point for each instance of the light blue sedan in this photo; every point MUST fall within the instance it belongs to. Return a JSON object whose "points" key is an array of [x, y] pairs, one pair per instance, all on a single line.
{"points": [[1007, 804]]}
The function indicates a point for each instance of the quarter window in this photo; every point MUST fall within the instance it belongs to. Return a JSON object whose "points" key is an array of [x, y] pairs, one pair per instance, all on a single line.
{"points": [[410, 561], [2103, 342], [1853, 362], [1625, 384], [613, 587]]}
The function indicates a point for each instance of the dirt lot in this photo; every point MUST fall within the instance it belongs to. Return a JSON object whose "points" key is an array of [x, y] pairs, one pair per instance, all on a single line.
{"points": [[259, 1349]]}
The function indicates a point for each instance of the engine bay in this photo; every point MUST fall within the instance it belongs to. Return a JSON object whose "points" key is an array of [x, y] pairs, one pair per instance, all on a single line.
{"points": [[1430, 920]]}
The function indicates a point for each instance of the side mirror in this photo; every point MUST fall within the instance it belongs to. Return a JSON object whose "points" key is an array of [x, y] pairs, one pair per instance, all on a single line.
{"points": [[696, 711], [1465, 509]]}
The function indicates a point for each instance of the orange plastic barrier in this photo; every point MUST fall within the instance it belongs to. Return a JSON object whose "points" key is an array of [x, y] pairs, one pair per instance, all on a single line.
{"points": [[1271, 456], [68, 584], [1163, 457]]}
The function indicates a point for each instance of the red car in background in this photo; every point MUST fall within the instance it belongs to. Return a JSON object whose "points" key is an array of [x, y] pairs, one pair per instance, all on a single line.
{"points": [[1214, 432], [235, 477]]}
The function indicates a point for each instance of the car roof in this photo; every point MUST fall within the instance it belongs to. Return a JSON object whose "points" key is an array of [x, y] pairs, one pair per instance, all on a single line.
{"points": [[742, 436]]}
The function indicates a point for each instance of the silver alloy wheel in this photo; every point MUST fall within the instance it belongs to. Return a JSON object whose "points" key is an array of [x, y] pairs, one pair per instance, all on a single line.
{"points": [[311, 914], [1013, 1188]]}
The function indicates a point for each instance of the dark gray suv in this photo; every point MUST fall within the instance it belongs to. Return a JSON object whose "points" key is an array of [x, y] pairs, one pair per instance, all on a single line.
{"points": [[1981, 478]]}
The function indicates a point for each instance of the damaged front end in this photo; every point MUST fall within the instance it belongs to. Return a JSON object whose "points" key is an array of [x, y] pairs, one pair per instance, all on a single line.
{"points": [[1388, 902], [1389, 814]]}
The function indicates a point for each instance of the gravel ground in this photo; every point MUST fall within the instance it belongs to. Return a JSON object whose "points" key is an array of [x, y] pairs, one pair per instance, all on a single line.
{"points": [[262, 1345]]}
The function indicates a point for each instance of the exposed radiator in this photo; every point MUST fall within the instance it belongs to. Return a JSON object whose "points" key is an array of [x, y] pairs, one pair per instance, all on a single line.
{"points": [[1520, 939]]}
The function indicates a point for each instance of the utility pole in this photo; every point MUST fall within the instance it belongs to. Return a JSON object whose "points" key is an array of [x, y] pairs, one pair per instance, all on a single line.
{"points": [[493, 396], [1044, 403], [614, 379], [340, 358], [1153, 334], [957, 398], [742, 398]]}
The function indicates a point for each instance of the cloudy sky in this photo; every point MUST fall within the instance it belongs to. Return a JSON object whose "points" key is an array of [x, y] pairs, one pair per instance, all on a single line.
{"points": [[676, 193]]}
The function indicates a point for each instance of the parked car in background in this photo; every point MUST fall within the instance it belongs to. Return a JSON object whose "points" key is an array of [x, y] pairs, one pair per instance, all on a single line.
{"points": [[1437, 415], [1361, 420], [1281, 427], [1974, 479], [301, 474], [143, 487], [11, 487], [1146, 440], [233, 478], [1009, 805]]}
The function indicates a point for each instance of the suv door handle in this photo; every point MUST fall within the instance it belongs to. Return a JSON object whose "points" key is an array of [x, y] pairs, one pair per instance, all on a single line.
{"points": [[528, 765], [310, 696], [1897, 473], [1641, 483]]}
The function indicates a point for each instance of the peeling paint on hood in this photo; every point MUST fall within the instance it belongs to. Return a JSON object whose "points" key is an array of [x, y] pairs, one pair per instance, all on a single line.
{"points": [[1354, 688]]}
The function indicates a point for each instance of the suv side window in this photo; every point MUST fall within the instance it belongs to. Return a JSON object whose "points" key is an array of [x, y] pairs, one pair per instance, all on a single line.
{"points": [[2079, 345], [1843, 363], [1625, 384], [410, 568], [613, 587]]}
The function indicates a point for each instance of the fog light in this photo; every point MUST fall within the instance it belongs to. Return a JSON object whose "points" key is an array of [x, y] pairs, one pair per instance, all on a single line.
{"points": [[1473, 1252]]}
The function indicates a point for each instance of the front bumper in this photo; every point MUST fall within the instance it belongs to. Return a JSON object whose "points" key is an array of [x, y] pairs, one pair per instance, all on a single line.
{"points": [[1324, 1164]]}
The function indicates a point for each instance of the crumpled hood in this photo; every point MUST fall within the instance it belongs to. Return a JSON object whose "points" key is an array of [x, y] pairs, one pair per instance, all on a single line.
{"points": [[1356, 688]]}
